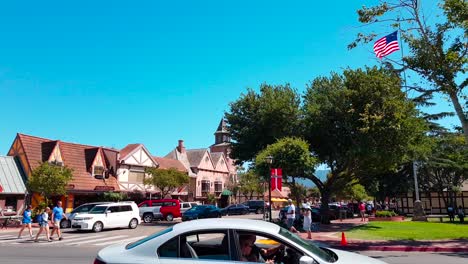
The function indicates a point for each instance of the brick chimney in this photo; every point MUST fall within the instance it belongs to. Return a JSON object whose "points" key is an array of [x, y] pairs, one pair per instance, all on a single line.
{"points": [[181, 147]]}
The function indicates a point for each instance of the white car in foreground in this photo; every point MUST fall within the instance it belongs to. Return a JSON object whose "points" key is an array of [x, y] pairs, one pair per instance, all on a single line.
{"points": [[217, 241]]}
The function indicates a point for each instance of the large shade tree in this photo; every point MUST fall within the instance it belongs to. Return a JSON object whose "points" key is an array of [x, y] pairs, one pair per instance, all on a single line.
{"points": [[258, 119], [360, 123]]}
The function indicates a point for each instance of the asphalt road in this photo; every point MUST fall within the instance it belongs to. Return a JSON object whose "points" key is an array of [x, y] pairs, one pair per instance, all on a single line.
{"points": [[82, 247]]}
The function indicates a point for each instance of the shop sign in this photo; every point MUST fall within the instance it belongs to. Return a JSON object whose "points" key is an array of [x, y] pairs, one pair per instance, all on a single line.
{"points": [[103, 188]]}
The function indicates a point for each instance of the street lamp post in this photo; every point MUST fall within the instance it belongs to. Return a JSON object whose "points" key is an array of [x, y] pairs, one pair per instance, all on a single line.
{"points": [[269, 160]]}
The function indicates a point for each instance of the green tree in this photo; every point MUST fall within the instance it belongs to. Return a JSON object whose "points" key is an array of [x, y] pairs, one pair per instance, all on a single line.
{"points": [[250, 183], [353, 191], [211, 198], [50, 180], [293, 156], [360, 123], [258, 119], [165, 180], [446, 169], [438, 51]]}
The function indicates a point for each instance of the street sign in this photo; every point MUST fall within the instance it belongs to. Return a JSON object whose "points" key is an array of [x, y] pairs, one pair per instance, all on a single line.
{"points": [[277, 179]]}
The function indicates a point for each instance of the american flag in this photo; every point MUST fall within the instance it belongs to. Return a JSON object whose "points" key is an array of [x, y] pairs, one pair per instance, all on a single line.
{"points": [[386, 45]]}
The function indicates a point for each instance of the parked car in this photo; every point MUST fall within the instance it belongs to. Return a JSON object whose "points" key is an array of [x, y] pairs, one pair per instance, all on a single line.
{"points": [[217, 241], [184, 206], [335, 211], [160, 209], [235, 209], [82, 209], [201, 211], [256, 206], [112, 215]]}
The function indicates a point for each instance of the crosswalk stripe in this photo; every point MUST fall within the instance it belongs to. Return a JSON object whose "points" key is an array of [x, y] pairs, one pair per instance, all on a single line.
{"points": [[10, 235], [131, 239], [67, 239], [14, 239], [95, 240]]}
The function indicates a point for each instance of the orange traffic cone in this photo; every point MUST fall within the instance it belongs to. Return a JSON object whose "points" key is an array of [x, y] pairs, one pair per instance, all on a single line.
{"points": [[343, 239]]}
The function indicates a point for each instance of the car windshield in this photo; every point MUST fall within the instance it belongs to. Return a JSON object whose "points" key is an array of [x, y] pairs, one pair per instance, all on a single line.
{"points": [[307, 245], [98, 210], [148, 238]]}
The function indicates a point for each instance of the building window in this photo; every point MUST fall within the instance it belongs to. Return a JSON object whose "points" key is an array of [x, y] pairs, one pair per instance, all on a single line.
{"points": [[98, 171], [56, 163], [205, 186], [218, 186], [136, 176]]}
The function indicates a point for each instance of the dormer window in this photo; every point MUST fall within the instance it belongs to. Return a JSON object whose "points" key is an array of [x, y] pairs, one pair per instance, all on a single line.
{"points": [[98, 172]]}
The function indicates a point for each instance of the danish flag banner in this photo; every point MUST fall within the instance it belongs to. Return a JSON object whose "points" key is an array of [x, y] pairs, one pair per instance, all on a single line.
{"points": [[276, 179]]}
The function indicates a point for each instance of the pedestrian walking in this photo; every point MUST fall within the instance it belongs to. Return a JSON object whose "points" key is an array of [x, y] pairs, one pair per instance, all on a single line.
{"points": [[26, 222], [291, 216], [307, 223], [451, 213], [362, 211], [57, 215], [461, 214], [43, 220]]}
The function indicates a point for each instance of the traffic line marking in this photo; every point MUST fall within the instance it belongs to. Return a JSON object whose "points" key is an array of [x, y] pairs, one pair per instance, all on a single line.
{"points": [[95, 240], [69, 239], [130, 239]]}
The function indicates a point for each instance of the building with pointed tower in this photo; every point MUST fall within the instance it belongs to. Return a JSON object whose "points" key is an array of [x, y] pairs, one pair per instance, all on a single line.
{"points": [[223, 145], [211, 171]]}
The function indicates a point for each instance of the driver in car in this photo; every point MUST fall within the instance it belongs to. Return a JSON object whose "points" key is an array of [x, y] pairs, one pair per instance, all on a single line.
{"points": [[251, 253]]}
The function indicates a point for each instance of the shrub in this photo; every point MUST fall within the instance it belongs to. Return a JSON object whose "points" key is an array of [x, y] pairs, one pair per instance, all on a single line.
{"points": [[385, 214]]}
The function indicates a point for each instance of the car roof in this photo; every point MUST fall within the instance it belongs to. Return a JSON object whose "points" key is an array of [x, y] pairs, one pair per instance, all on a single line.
{"points": [[117, 203], [216, 223]]}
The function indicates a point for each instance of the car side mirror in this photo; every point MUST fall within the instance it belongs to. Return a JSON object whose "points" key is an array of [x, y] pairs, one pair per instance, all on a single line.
{"points": [[306, 260]]}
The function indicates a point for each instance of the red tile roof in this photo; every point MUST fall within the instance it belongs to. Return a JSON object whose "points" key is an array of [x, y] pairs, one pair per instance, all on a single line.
{"points": [[127, 150], [75, 156], [165, 163]]}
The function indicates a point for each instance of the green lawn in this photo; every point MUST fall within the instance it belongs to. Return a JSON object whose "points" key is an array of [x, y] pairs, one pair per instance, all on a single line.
{"points": [[409, 231]]}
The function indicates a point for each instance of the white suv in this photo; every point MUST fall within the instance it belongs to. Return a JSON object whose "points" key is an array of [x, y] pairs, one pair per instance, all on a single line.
{"points": [[113, 215]]}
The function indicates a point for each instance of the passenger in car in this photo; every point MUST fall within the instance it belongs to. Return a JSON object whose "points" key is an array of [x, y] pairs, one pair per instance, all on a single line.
{"points": [[251, 253]]}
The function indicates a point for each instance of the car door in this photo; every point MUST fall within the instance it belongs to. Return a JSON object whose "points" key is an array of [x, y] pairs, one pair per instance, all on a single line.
{"points": [[112, 216], [125, 215], [201, 247]]}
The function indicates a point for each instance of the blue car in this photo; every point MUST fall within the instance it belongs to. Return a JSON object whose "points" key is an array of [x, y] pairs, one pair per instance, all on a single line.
{"points": [[201, 211]]}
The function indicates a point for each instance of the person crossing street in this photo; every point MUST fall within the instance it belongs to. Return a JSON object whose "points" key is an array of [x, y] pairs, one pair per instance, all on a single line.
{"points": [[57, 215]]}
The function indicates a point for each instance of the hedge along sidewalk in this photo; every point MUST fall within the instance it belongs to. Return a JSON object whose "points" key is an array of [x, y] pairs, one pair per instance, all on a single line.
{"points": [[409, 230]]}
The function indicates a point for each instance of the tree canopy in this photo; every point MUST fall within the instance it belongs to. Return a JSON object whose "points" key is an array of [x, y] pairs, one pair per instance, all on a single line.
{"points": [[166, 180], [50, 180], [438, 47], [258, 119]]}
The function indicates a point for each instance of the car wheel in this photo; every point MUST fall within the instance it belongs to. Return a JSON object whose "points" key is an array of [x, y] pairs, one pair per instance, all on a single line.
{"points": [[97, 227], [258, 211], [169, 217], [64, 223], [219, 215], [148, 218], [133, 224]]}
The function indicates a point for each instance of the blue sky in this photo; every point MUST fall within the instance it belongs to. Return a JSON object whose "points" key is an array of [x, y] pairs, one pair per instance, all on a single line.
{"points": [[110, 73]]}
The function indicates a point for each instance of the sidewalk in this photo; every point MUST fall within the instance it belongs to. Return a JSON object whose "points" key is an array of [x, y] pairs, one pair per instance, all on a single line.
{"points": [[330, 235]]}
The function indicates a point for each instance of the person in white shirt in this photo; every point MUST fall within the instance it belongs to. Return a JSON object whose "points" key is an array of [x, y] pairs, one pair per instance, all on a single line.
{"points": [[291, 216]]}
